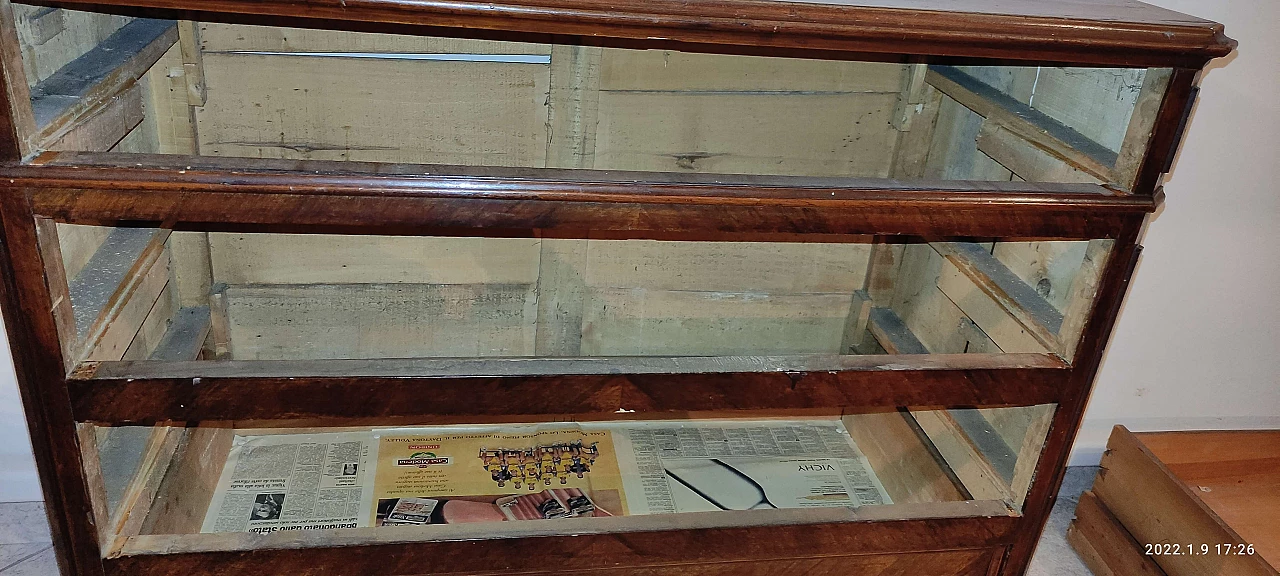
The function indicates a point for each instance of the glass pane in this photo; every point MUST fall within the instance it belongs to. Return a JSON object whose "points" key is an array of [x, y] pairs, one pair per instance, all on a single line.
{"points": [[139, 293], [264, 92], [548, 478]]}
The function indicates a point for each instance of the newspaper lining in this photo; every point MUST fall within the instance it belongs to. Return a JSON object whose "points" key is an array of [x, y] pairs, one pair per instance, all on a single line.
{"points": [[733, 465], [293, 482], [505, 473]]}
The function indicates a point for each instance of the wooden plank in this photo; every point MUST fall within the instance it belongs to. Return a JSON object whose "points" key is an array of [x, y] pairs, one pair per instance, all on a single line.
{"points": [[533, 366], [788, 268], [192, 270], [1084, 291], [1142, 124], [911, 154], [1017, 82], [1024, 430], [1170, 126], [643, 322], [475, 201], [855, 328], [168, 105], [83, 86], [120, 451], [1025, 122], [26, 306], [153, 327], [574, 106], [285, 106], [912, 95], [940, 325], [101, 129], [746, 132], [398, 388], [671, 530], [219, 323], [882, 270], [55, 275], [953, 153], [140, 140], [965, 459], [1103, 543], [1004, 330], [342, 259], [128, 518], [110, 280], [1156, 507], [656, 551], [53, 38], [561, 296], [1026, 160], [1236, 473], [186, 335], [948, 563], [1098, 103], [683, 72], [977, 426], [16, 87], [110, 338], [86, 437], [192, 61], [1050, 267], [79, 244], [1122, 32], [909, 473], [893, 334], [183, 496], [219, 37], [1006, 309], [315, 321]]}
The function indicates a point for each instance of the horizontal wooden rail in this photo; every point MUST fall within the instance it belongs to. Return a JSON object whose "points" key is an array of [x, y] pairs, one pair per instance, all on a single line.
{"points": [[829, 536], [230, 193], [1024, 30], [150, 392]]}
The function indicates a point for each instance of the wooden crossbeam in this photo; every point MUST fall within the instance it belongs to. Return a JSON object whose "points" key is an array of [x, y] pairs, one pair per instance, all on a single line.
{"points": [[893, 334], [85, 86], [131, 292], [1012, 313], [1026, 122]]}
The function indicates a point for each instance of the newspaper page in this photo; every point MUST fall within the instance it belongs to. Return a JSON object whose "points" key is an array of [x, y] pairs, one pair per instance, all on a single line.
{"points": [[293, 482], [461, 474], [734, 465], [453, 474]]}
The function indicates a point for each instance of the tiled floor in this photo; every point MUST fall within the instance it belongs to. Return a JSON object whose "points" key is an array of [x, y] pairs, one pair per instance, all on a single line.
{"points": [[24, 541], [1054, 557], [25, 548]]}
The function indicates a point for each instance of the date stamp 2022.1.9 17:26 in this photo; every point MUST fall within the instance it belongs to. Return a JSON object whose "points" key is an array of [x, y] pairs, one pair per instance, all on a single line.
{"points": [[1202, 549]]}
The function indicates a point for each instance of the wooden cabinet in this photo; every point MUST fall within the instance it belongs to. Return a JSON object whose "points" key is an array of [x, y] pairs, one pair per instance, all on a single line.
{"points": [[910, 222]]}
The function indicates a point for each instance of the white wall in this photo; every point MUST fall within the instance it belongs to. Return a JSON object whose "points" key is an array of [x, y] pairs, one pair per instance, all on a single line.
{"points": [[18, 481], [1198, 344]]}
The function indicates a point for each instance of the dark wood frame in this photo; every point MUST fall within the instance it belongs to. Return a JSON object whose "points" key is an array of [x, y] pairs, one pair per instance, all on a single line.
{"points": [[231, 194]]}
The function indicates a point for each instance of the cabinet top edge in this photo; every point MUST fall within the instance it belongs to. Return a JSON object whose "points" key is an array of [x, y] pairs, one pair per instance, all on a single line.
{"points": [[1102, 32]]}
